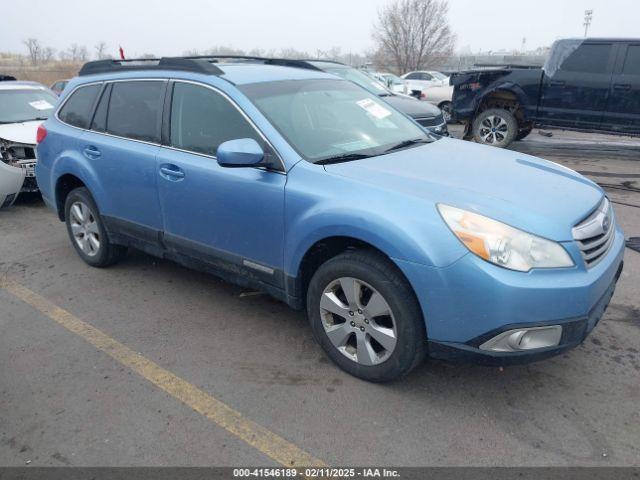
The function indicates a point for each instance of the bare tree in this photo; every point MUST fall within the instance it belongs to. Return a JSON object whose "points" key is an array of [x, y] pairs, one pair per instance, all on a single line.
{"points": [[75, 53], [101, 50], [412, 34], [35, 50]]}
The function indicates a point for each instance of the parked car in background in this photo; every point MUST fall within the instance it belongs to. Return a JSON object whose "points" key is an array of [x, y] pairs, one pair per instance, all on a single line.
{"points": [[429, 117], [59, 86], [399, 244], [586, 85], [441, 97], [23, 107], [420, 80], [393, 82]]}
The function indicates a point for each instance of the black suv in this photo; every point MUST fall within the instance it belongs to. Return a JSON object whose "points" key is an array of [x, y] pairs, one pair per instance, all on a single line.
{"points": [[586, 85]]}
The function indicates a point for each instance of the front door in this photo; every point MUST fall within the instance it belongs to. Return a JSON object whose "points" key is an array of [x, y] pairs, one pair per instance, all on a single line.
{"points": [[231, 218]]}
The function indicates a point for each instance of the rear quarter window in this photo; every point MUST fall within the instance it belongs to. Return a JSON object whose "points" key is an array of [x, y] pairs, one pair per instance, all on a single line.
{"points": [[78, 109]]}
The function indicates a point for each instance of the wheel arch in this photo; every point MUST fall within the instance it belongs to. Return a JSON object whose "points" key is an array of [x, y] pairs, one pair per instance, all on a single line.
{"points": [[504, 95], [69, 173]]}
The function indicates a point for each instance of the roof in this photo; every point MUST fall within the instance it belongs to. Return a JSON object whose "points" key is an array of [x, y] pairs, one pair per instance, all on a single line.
{"points": [[19, 85]]}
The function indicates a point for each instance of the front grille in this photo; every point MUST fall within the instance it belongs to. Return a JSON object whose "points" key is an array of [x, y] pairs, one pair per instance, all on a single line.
{"points": [[595, 234]]}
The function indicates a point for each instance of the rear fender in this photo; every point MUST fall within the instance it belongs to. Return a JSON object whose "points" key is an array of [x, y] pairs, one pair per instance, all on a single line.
{"points": [[70, 162]]}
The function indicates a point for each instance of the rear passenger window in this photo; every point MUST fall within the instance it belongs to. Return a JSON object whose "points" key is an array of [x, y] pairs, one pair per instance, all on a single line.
{"points": [[632, 62], [135, 110], [78, 109], [588, 59], [202, 119]]}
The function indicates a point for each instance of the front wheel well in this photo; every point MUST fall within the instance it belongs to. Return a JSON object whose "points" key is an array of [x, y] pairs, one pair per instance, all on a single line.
{"points": [[64, 186], [325, 250]]}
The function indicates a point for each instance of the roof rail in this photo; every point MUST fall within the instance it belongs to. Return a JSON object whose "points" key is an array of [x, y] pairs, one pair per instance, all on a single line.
{"points": [[195, 65], [282, 62], [198, 64]]}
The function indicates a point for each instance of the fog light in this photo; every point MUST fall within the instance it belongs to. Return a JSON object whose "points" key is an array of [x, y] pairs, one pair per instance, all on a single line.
{"points": [[524, 339]]}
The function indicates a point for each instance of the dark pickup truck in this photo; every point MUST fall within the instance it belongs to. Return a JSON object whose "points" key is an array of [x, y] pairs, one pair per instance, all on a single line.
{"points": [[586, 85]]}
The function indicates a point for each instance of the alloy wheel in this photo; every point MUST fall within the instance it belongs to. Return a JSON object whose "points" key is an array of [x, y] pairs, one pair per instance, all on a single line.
{"points": [[493, 129], [84, 228], [358, 321]]}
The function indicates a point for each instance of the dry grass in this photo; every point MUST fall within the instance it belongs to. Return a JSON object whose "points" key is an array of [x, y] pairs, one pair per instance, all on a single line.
{"points": [[45, 74]]}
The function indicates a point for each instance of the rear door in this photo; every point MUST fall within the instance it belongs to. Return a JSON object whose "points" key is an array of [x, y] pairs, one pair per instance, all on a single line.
{"points": [[576, 94], [623, 110], [231, 218], [121, 148]]}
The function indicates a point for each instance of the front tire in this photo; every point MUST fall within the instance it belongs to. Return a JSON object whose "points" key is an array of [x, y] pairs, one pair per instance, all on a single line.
{"points": [[366, 317], [495, 127], [86, 230]]}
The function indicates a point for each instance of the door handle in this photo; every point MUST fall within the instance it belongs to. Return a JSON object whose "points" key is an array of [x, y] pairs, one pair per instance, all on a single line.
{"points": [[92, 152], [622, 86], [172, 173], [557, 83]]}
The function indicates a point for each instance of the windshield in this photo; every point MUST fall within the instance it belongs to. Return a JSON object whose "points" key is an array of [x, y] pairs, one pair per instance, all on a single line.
{"points": [[356, 76], [439, 76], [325, 119], [24, 105]]}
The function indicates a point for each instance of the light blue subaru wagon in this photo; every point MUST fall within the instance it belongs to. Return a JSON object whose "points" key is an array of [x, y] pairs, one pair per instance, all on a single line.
{"points": [[398, 244]]}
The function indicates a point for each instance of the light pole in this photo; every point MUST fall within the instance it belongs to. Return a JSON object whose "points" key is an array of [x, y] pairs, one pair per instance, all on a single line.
{"points": [[588, 17]]}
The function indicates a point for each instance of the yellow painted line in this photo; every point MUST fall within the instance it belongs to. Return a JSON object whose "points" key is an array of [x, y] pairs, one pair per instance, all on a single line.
{"points": [[213, 409]]}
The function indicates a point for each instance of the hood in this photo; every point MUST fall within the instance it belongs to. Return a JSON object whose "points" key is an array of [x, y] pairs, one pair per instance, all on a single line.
{"points": [[526, 192], [20, 132], [412, 106]]}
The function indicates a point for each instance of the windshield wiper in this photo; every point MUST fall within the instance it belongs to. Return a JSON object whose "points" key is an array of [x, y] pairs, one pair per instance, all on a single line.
{"points": [[348, 157], [407, 143], [28, 120]]}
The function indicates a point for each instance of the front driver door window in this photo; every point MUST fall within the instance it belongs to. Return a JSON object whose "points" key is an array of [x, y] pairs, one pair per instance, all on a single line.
{"points": [[231, 217]]}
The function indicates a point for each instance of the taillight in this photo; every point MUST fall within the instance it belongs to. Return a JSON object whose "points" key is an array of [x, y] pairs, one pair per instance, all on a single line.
{"points": [[42, 134], [423, 96]]}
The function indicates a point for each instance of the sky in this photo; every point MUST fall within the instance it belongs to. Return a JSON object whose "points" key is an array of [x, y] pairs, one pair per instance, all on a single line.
{"points": [[164, 27]]}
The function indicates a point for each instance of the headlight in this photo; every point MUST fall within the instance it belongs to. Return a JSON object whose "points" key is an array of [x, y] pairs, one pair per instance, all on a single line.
{"points": [[503, 245]]}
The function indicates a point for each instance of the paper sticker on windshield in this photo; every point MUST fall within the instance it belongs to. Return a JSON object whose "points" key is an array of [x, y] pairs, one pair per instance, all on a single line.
{"points": [[374, 108], [41, 105]]}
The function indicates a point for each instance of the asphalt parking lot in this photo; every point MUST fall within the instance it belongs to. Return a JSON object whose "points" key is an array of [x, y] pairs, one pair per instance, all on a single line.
{"points": [[174, 349]]}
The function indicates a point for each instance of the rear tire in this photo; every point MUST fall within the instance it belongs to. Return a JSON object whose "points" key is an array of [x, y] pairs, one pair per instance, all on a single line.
{"points": [[366, 316], [495, 127], [86, 230]]}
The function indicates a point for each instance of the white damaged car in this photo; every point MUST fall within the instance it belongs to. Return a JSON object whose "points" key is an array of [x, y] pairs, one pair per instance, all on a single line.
{"points": [[23, 107]]}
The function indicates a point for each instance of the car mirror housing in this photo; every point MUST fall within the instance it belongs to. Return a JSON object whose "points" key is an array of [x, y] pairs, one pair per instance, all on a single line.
{"points": [[244, 152]]}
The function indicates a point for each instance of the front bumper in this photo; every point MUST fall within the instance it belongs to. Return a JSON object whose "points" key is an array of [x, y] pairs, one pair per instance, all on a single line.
{"points": [[574, 332], [11, 182], [472, 301]]}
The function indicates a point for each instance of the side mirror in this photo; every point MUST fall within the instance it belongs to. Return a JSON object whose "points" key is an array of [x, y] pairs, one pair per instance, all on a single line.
{"points": [[245, 152]]}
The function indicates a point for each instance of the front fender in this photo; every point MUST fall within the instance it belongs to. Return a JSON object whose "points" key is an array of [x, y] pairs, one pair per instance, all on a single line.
{"points": [[319, 205]]}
